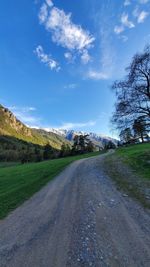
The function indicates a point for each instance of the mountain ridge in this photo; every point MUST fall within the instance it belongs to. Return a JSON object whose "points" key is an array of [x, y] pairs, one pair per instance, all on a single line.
{"points": [[100, 139], [12, 127]]}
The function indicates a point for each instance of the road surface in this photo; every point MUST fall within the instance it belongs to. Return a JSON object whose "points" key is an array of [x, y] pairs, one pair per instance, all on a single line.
{"points": [[78, 219]]}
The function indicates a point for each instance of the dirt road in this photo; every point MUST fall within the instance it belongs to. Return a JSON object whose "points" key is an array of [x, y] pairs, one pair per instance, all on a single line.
{"points": [[78, 219]]}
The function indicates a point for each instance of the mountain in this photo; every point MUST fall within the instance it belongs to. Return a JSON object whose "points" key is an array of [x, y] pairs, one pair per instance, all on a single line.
{"points": [[56, 140], [97, 139], [19, 142], [10, 126]]}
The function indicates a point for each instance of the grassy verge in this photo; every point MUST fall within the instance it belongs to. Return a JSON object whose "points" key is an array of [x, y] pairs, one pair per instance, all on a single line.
{"points": [[138, 157], [18, 183], [129, 167]]}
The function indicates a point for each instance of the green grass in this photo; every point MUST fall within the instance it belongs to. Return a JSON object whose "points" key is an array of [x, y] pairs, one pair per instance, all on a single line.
{"points": [[138, 157], [135, 180], [18, 183], [8, 164]]}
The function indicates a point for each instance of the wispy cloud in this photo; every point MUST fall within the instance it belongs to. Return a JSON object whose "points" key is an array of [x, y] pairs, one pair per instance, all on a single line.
{"points": [[70, 58], [72, 125], [85, 57], [143, 1], [49, 3], [126, 22], [127, 2], [97, 75], [64, 32], [69, 126], [107, 55], [119, 29], [46, 59], [23, 109], [104, 64], [43, 14], [44, 11], [70, 86], [25, 114], [140, 15]]}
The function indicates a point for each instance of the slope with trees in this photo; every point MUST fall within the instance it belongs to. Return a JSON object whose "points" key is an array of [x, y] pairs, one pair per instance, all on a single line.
{"points": [[21, 143]]}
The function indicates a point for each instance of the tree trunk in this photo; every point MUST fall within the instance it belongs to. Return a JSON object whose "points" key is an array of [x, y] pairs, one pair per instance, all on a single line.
{"points": [[142, 138]]}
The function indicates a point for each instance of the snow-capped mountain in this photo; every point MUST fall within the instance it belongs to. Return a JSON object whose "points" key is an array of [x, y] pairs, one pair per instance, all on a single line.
{"points": [[97, 139]]}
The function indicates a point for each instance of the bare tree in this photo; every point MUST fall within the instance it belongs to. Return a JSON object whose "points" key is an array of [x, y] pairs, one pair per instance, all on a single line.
{"points": [[126, 135], [139, 128], [133, 93]]}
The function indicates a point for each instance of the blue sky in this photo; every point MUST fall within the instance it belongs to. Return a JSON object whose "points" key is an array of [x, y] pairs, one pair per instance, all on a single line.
{"points": [[59, 58]]}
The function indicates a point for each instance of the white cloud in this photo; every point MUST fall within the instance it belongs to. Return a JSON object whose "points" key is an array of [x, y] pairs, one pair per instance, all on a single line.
{"points": [[85, 57], [136, 11], [68, 126], [71, 125], [31, 109], [24, 114], [22, 109], [70, 57], [106, 57], [26, 118], [97, 75], [142, 16], [44, 11], [70, 86], [127, 2], [46, 59], [119, 29], [107, 51], [126, 22], [49, 3], [65, 33], [43, 14], [143, 1]]}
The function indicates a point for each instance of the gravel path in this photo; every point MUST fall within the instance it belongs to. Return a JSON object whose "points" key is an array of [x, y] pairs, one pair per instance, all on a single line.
{"points": [[78, 219]]}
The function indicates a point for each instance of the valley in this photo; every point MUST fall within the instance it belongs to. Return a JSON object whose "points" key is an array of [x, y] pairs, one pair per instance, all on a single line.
{"points": [[20, 143], [75, 133]]}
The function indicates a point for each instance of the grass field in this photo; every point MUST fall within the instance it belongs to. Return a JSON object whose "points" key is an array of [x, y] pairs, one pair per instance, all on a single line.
{"points": [[18, 183], [8, 164], [138, 157], [129, 167]]}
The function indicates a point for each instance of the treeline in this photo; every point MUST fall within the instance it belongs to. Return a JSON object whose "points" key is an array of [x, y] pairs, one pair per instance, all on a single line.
{"points": [[132, 109], [13, 149], [81, 144]]}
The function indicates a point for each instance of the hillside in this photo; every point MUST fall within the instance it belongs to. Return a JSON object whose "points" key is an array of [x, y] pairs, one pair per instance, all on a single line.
{"points": [[49, 137], [10, 126]]}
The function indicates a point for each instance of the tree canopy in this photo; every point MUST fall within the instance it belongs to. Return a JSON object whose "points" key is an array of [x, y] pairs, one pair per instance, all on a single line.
{"points": [[133, 94]]}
